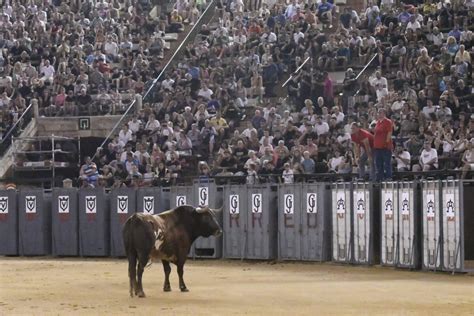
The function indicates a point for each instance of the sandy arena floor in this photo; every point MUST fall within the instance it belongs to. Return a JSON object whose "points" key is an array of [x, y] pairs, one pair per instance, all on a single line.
{"points": [[100, 287]]}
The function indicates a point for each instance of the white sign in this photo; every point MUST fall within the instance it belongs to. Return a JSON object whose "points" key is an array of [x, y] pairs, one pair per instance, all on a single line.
{"points": [[234, 204], [340, 203], [4, 205], [149, 204], [405, 203], [180, 200], [63, 204], [122, 204], [203, 193], [311, 203], [449, 205], [388, 202], [257, 206], [30, 203], [289, 207], [91, 204], [430, 205], [359, 202]]}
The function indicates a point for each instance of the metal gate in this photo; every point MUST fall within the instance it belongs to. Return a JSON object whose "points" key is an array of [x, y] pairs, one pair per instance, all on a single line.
{"points": [[153, 200], [453, 230], [65, 241], [122, 206], [341, 222], [363, 210], [431, 225], [262, 221], [303, 222], [235, 221], [389, 223], [289, 221], [94, 220], [8, 223], [182, 195], [34, 223], [408, 219], [206, 193], [316, 220]]}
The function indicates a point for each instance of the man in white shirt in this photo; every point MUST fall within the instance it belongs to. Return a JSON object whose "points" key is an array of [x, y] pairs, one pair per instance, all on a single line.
{"points": [[429, 109], [269, 37], [125, 134], [167, 84], [153, 124], [413, 24], [205, 92], [248, 131], [403, 159], [339, 115], [378, 79], [428, 158], [111, 49], [436, 37], [291, 9], [321, 127], [297, 35], [397, 105], [47, 70], [134, 124], [239, 38]]}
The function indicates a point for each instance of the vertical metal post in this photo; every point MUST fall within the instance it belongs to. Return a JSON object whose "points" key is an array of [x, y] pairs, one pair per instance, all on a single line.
{"points": [[53, 162]]}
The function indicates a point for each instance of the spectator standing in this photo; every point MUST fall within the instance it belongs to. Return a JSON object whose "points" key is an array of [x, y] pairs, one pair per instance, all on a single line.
{"points": [[363, 142], [383, 146]]}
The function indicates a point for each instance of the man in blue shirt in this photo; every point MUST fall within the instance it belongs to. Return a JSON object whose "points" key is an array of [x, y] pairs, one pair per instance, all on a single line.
{"points": [[325, 11]]}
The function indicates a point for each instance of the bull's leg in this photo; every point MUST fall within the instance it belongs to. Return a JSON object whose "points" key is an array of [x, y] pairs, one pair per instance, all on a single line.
{"points": [[142, 261], [167, 269], [182, 286], [132, 273]]}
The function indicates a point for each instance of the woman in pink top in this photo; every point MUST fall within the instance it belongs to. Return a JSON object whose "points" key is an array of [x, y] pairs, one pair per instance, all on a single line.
{"points": [[60, 97]]}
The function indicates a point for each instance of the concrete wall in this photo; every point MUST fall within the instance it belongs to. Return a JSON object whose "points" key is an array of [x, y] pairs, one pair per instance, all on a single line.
{"points": [[100, 126]]}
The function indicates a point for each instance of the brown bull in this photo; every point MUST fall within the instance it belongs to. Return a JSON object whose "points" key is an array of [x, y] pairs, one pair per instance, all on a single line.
{"points": [[167, 237]]}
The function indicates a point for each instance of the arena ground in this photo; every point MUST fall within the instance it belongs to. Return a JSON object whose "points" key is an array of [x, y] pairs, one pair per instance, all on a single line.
{"points": [[44, 286]]}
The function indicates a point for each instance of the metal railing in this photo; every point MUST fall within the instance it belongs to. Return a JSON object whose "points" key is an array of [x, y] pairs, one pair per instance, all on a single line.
{"points": [[192, 32], [22, 121]]}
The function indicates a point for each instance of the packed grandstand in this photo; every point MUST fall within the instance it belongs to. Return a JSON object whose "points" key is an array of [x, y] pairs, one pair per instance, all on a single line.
{"points": [[225, 106]]}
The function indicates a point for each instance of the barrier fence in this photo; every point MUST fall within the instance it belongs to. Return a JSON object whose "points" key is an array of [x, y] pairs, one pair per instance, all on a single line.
{"points": [[408, 224]]}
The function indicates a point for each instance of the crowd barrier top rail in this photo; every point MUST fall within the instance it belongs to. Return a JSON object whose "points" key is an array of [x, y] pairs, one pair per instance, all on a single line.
{"points": [[275, 179]]}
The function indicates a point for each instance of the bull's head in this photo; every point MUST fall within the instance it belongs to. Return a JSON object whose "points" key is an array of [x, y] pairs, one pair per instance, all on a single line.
{"points": [[207, 221]]}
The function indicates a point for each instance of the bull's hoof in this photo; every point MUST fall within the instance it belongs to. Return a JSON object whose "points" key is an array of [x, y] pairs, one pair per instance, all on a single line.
{"points": [[184, 289], [141, 294], [167, 288]]}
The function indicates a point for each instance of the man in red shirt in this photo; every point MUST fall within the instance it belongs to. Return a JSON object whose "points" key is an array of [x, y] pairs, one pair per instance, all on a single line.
{"points": [[383, 146], [363, 142]]}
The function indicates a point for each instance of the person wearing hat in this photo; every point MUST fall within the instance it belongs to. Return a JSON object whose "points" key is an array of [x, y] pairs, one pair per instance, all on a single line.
{"points": [[383, 146], [363, 143]]}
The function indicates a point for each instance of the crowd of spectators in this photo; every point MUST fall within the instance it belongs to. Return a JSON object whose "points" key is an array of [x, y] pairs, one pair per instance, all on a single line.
{"points": [[81, 57], [423, 81]]}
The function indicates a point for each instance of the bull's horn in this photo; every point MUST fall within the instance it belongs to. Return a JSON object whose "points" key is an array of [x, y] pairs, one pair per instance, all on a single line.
{"points": [[202, 209], [218, 210]]}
